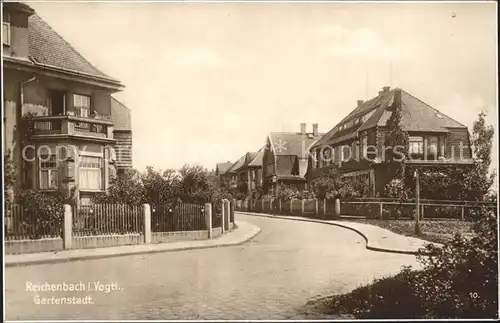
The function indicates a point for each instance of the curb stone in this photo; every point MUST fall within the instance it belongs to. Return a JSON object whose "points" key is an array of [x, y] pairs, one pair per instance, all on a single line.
{"points": [[253, 234], [372, 248]]}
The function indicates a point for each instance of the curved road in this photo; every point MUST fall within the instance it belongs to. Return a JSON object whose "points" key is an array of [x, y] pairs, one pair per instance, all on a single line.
{"points": [[269, 277]]}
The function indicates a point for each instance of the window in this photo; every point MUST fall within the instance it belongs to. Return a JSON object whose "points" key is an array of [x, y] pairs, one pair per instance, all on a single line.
{"points": [[48, 172], [346, 153], [416, 145], [81, 104], [326, 156], [90, 173], [432, 147], [6, 33]]}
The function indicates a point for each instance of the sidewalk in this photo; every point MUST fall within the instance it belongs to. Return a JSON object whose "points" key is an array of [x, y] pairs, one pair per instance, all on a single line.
{"points": [[244, 232], [377, 239]]}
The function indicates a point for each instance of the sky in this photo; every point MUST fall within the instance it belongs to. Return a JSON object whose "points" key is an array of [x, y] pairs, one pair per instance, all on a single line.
{"points": [[207, 81]]}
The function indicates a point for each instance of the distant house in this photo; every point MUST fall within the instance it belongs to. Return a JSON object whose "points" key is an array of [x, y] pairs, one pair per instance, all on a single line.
{"points": [[355, 146], [76, 125], [221, 171], [123, 135], [248, 170], [285, 158]]}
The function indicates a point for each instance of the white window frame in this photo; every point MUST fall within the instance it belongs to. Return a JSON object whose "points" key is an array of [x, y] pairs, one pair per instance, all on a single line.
{"points": [[80, 106], [416, 139], [52, 172], [7, 41], [100, 156]]}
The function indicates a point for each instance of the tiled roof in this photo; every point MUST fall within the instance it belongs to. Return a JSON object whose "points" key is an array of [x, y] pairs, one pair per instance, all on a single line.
{"points": [[417, 116], [248, 159], [291, 143], [222, 168], [257, 160], [121, 115], [238, 164], [47, 47]]}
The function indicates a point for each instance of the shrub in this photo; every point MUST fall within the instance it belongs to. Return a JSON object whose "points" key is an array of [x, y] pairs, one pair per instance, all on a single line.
{"points": [[396, 189], [43, 214], [127, 188], [459, 280]]}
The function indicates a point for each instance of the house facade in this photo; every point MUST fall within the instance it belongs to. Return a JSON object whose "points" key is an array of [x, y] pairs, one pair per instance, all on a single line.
{"points": [[285, 158], [356, 145], [221, 172], [60, 116], [248, 170]]}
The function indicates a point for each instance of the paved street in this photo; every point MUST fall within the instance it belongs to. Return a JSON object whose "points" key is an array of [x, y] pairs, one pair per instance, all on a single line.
{"points": [[270, 277]]}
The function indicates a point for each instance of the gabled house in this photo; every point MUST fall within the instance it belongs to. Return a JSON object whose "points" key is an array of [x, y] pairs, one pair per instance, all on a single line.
{"points": [[71, 138], [248, 170], [356, 145], [221, 171], [285, 158]]}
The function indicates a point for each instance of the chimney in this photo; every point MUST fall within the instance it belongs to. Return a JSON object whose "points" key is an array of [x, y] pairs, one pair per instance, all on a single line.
{"points": [[386, 89], [315, 129], [397, 97], [360, 102], [303, 128]]}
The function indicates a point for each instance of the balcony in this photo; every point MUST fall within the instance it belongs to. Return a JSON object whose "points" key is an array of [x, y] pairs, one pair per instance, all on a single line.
{"points": [[45, 127]]}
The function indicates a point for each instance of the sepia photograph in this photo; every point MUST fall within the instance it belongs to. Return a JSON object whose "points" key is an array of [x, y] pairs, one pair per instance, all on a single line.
{"points": [[250, 160]]}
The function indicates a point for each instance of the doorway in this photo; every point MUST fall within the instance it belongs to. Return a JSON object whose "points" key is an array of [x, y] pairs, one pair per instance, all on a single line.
{"points": [[56, 103]]}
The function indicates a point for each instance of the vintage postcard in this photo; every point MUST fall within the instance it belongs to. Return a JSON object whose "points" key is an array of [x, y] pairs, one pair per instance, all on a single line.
{"points": [[250, 160]]}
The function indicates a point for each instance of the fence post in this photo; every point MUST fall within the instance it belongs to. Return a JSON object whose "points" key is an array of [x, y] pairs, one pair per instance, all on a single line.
{"points": [[381, 210], [337, 208], [263, 209], [422, 213], [316, 211], [231, 214], [68, 226], [291, 206], [302, 207], [208, 218], [146, 210], [279, 202], [462, 215], [223, 214], [324, 207]]}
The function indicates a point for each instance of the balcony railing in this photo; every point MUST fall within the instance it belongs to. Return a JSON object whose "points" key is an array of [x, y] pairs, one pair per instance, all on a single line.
{"points": [[72, 125]]}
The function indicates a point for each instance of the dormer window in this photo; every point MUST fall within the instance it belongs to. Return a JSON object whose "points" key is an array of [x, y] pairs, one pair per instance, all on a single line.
{"points": [[6, 33]]}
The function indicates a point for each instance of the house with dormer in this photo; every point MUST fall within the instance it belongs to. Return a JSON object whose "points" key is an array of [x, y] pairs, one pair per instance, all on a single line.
{"points": [[221, 172], [356, 145], [248, 170], [76, 127], [285, 158]]}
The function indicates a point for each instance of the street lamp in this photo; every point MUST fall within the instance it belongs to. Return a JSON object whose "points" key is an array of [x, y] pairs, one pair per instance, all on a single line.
{"points": [[275, 179]]}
